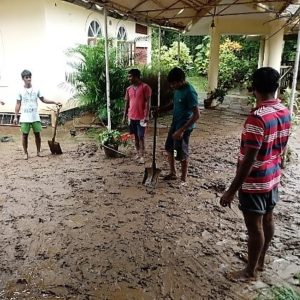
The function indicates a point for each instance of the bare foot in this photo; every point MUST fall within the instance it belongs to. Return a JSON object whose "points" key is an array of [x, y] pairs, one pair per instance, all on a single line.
{"points": [[261, 264], [38, 154], [241, 276], [25, 156]]}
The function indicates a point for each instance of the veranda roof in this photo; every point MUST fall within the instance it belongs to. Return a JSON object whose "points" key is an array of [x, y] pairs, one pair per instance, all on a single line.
{"points": [[183, 14]]}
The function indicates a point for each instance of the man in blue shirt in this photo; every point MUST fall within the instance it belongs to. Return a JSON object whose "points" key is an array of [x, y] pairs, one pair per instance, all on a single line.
{"points": [[185, 114]]}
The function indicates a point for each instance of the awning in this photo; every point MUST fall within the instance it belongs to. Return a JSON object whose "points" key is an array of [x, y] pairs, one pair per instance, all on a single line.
{"points": [[183, 14]]}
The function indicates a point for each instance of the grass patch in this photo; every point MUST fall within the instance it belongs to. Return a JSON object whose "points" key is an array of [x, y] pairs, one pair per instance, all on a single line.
{"points": [[278, 293], [198, 82]]}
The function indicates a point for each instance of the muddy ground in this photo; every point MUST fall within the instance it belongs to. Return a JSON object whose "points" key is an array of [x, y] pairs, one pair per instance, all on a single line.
{"points": [[80, 226]]}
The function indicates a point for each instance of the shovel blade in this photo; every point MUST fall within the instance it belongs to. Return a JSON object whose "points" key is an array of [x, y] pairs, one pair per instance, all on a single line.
{"points": [[54, 147], [151, 177]]}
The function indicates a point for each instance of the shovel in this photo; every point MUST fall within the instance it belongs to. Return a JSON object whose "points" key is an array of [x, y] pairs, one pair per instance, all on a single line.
{"points": [[54, 146], [151, 174]]}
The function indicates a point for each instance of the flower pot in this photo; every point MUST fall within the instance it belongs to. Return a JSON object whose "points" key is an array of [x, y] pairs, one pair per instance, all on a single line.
{"points": [[109, 151]]}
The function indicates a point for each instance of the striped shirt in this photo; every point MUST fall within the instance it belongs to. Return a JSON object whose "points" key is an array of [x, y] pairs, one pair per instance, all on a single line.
{"points": [[267, 128]]}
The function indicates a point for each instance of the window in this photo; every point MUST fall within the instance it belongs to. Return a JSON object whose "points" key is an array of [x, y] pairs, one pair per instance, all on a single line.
{"points": [[141, 29], [122, 34], [94, 32]]}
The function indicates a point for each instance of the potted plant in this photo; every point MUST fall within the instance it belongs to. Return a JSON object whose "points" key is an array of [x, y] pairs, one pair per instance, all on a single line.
{"points": [[217, 94], [110, 140]]}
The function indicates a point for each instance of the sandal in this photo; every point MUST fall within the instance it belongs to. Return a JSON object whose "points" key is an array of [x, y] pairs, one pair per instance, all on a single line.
{"points": [[170, 177]]}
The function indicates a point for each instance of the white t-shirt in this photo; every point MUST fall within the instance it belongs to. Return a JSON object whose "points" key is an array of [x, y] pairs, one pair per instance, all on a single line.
{"points": [[29, 105]]}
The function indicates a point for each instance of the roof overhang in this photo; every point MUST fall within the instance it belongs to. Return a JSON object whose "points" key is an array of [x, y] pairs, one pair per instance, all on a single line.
{"points": [[185, 15]]}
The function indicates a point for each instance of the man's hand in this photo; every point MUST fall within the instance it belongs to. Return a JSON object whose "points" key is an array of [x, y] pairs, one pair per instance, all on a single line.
{"points": [[15, 121], [226, 199], [178, 134], [154, 110]]}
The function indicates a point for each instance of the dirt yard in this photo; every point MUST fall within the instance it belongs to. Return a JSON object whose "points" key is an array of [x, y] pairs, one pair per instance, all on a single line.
{"points": [[80, 226]]}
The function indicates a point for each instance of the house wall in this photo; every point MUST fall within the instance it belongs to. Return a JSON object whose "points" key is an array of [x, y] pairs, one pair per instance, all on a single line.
{"points": [[22, 42], [36, 34]]}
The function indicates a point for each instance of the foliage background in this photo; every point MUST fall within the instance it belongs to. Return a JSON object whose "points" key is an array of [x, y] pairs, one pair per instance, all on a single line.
{"points": [[89, 80]]}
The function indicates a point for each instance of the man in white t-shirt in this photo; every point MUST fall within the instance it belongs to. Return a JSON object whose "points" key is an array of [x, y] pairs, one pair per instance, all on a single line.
{"points": [[27, 101]]}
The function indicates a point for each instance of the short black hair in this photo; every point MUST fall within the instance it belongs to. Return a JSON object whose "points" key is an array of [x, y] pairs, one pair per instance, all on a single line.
{"points": [[135, 73], [265, 80], [26, 73], [176, 74]]}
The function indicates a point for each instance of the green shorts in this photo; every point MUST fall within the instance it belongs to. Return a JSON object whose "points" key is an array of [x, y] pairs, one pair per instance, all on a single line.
{"points": [[36, 127]]}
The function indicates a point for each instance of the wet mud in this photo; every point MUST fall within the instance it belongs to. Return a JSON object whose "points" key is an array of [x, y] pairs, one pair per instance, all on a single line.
{"points": [[81, 226]]}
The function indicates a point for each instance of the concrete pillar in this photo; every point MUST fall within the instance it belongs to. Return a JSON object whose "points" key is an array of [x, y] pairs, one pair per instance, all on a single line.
{"points": [[276, 45], [266, 53], [213, 68], [261, 52]]}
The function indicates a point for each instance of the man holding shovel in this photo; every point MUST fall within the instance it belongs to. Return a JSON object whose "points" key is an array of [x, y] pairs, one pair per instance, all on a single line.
{"points": [[27, 102], [137, 105], [185, 115], [264, 138]]}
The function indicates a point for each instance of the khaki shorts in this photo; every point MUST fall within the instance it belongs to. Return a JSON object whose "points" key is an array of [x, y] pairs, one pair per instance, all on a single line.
{"points": [[36, 127]]}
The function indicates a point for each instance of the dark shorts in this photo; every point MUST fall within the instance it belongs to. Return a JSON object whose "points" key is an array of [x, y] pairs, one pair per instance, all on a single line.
{"points": [[136, 129], [181, 147], [260, 203]]}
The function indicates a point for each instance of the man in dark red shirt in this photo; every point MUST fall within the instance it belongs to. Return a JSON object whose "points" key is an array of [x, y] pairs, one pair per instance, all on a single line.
{"points": [[264, 139]]}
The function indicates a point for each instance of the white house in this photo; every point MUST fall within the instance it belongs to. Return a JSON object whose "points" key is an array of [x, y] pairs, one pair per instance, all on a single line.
{"points": [[35, 34]]}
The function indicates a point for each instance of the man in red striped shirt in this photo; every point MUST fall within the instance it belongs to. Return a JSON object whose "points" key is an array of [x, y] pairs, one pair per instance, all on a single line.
{"points": [[264, 139]]}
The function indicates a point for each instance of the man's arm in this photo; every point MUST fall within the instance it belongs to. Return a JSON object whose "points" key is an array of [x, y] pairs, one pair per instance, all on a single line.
{"points": [[17, 110], [242, 173], [178, 134], [44, 100], [147, 108]]}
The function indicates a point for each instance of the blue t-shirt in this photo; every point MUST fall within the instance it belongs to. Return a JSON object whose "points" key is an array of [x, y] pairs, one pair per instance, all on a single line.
{"points": [[184, 100]]}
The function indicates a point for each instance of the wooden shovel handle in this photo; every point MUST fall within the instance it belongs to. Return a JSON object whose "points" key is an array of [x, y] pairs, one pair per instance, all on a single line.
{"points": [[56, 123]]}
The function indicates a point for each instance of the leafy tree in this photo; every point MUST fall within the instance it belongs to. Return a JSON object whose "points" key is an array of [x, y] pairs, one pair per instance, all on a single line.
{"points": [[202, 56], [169, 56], [168, 37], [289, 51], [235, 66]]}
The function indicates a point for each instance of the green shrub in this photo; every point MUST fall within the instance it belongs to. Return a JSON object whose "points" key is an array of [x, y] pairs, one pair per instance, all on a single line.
{"points": [[169, 57], [201, 61], [234, 68], [150, 76], [89, 79]]}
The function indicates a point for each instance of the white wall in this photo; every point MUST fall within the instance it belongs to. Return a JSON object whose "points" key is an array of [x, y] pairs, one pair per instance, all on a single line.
{"points": [[22, 43], [36, 34]]}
